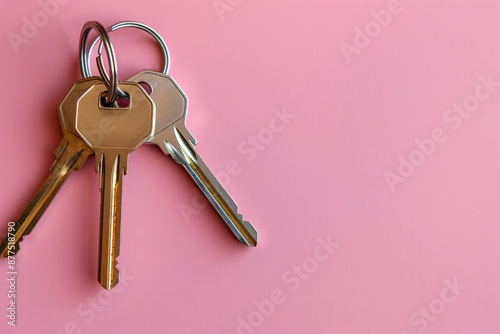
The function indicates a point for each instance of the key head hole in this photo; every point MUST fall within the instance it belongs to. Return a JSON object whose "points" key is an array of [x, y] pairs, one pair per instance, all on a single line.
{"points": [[147, 87], [121, 102]]}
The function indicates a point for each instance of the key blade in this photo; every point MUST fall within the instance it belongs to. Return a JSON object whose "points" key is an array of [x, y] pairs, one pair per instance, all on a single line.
{"points": [[70, 155], [111, 173], [184, 153]]}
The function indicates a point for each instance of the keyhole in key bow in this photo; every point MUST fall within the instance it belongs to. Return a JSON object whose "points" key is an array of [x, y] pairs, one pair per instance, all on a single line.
{"points": [[147, 87], [121, 102]]}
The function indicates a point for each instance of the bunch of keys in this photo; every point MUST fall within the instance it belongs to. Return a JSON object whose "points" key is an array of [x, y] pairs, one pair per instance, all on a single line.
{"points": [[157, 118]]}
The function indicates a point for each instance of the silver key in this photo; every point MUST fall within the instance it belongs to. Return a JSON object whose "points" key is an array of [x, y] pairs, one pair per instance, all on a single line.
{"points": [[172, 136], [128, 128]]}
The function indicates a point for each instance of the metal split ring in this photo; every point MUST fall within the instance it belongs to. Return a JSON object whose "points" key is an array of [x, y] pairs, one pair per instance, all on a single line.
{"points": [[112, 81], [85, 58]]}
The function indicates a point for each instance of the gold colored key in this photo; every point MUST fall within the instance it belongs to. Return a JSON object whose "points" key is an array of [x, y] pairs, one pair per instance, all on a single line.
{"points": [[128, 128], [71, 154]]}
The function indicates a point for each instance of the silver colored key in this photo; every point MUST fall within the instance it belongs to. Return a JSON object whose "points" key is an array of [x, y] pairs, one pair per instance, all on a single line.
{"points": [[172, 136], [128, 128], [71, 154]]}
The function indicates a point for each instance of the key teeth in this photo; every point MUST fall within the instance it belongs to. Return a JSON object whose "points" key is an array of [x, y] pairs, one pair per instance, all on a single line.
{"points": [[250, 229], [116, 277], [109, 285]]}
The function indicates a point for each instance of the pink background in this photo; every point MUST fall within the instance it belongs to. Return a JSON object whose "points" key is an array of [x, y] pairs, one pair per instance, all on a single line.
{"points": [[322, 175]]}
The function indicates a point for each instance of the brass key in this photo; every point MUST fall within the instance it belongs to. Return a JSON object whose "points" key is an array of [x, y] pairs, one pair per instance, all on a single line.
{"points": [[71, 154], [132, 126]]}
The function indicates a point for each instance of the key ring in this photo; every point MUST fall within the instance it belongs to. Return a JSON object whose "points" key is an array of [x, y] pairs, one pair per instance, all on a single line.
{"points": [[85, 61], [111, 82]]}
